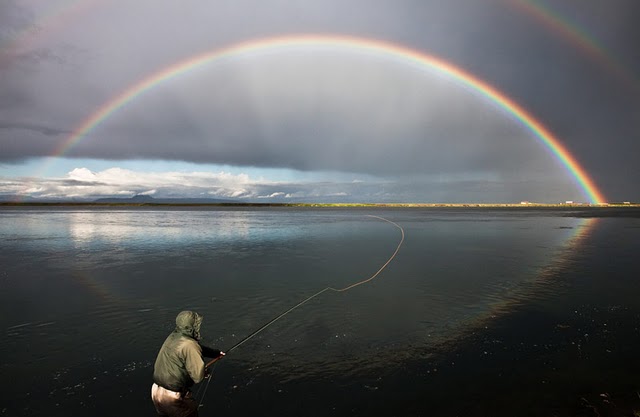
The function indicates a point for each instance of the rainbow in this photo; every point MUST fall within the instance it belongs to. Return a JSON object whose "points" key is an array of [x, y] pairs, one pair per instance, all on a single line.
{"points": [[575, 35], [369, 46]]}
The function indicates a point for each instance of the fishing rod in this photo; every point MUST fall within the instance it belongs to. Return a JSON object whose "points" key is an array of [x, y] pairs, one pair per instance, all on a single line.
{"points": [[214, 360], [281, 315]]}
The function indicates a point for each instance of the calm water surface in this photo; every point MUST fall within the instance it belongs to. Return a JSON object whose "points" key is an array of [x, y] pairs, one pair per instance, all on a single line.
{"points": [[480, 313]]}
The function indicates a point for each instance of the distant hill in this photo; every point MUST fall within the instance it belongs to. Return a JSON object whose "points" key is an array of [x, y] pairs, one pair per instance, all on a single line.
{"points": [[147, 199]]}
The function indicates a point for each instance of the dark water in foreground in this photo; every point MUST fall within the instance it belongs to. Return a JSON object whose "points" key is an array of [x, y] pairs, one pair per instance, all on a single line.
{"points": [[496, 313]]}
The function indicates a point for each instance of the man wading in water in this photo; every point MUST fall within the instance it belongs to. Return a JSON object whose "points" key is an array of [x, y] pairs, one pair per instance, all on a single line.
{"points": [[178, 366]]}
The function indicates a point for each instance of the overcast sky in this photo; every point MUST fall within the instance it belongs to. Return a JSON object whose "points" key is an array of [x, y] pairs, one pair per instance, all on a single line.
{"points": [[319, 124]]}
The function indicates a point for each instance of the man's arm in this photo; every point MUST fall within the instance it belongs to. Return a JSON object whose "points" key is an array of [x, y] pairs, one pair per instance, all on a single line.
{"points": [[193, 362], [208, 352]]}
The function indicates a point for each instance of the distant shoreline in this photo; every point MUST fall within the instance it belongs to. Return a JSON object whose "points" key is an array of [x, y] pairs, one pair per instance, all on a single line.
{"points": [[321, 205], [628, 210]]}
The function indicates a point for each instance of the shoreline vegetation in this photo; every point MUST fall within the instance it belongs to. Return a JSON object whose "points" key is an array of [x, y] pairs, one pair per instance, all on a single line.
{"points": [[583, 210], [320, 205]]}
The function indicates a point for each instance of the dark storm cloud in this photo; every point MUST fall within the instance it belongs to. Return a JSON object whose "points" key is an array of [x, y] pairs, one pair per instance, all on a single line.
{"points": [[18, 25], [14, 18], [25, 140], [323, 112], [45, 130], [339, 113], [581, 80]]}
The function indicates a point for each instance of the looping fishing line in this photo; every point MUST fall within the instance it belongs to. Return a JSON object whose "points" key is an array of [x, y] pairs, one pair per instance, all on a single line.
{"points": [[278, 317]]}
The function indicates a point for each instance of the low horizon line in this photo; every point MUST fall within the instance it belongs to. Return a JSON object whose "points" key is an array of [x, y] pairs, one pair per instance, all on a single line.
{"points": [[312, 204]]}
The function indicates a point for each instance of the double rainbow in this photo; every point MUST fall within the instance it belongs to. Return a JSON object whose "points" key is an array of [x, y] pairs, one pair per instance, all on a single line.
{"points": [[375, 47]]}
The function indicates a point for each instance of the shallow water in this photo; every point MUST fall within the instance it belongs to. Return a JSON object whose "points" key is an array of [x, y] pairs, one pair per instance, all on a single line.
{"points": [[88, 295]]}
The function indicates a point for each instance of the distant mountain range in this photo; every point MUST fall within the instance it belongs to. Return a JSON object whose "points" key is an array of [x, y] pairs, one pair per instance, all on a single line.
{"points": [[147, 199]]}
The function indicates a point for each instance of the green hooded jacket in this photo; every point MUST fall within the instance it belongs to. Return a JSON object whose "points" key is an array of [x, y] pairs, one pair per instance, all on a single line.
{"points": [[179, 363]]}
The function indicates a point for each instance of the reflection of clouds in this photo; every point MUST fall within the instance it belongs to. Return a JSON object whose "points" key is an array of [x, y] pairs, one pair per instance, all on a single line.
{"points": [[80, 227], [161, 228]]}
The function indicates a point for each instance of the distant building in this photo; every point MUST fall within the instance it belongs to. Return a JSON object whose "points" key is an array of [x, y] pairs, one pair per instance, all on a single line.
{"points": [[568, 202]]}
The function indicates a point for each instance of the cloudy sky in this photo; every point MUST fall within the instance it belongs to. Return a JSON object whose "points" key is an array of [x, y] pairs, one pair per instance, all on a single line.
{"points": [[318, 122]]}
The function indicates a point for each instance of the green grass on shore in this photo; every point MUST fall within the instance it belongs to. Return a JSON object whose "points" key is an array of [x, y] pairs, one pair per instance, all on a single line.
{"points": [[329, 205]]}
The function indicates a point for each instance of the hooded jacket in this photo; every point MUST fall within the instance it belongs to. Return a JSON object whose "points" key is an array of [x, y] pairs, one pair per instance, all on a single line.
{"points": [[179, 363]]}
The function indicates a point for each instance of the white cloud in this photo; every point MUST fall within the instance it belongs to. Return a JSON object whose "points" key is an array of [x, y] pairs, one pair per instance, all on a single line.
{"points": [[82, 174], [85, 184], [273, 195]]}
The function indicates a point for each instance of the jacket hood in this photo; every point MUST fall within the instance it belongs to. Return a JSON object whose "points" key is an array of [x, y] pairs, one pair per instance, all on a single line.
{"points": [[188, 323]]}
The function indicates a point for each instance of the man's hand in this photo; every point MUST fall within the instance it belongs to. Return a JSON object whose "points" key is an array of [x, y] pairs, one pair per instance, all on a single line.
{"points": [[214, 360]]}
